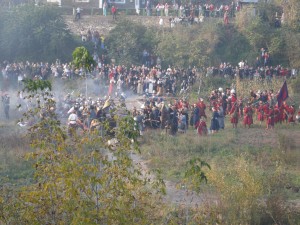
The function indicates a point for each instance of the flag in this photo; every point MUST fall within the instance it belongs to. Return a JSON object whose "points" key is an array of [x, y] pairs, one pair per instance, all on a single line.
{"points": [[283, 94]]}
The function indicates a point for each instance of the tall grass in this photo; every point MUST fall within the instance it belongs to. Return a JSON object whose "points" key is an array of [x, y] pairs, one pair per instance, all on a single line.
{"points": [[13, 168], [254, 175]]}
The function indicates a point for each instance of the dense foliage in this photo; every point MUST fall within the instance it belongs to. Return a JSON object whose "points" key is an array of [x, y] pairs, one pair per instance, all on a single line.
{"points": [[127, 41], [212, 42], [35, 34], [79, 180]]}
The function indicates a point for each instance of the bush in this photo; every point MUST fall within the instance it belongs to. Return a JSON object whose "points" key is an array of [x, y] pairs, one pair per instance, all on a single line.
{"points": [[211, 83], [295, 85]]}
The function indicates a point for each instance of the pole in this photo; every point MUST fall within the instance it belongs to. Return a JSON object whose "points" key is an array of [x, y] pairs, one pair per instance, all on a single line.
{"points": [[86, 86], [199, 86]]}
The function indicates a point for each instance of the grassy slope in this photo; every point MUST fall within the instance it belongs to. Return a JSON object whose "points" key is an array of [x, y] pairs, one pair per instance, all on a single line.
{"points": [[263, 150], [13, 146]]}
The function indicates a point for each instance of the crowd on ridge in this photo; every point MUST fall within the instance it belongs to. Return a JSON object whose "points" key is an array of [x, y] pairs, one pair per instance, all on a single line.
{"points": [[262, 68], [140, 79]]}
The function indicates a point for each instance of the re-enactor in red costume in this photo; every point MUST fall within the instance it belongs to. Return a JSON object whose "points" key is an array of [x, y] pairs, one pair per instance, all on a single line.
{"points": [[270, 121], [201, 127], [234, 112], [291, 114], [202, 108], [260, 112], [248, 115]]}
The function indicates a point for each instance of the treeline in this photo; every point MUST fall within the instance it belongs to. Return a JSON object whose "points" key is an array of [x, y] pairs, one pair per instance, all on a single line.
{"points": [[34, 33], [39, 33], [212, 42]]}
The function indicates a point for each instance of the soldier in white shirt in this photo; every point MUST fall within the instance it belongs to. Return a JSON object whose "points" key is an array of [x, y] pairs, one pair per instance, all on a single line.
{"points": [[72, 123]]}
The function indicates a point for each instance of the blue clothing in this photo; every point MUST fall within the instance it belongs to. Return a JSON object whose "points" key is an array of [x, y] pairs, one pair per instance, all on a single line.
{"points": [[221, 119], [196, 115], [214, 123]]}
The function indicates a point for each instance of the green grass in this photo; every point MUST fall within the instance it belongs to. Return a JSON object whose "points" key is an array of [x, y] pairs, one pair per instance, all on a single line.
{"points": [[263, 149], [248, 167], [14, 169]]}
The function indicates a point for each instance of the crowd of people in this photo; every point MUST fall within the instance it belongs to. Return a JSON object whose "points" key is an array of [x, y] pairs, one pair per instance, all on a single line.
{"points": [[158, 88], [182, 13], [180, 114], [261, 69], [108, 80], [140, 79], [191, 10], [191, 13], [250, 72]]}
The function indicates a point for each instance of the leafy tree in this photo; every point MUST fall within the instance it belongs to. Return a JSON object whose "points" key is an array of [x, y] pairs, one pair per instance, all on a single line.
{"points": [[80, 181], [291, 13], [172, 49], [34, 33], [185, 47], [232, 46], [195, 173], [126, 42], [83, 59], [291, 30], [292, 47]]}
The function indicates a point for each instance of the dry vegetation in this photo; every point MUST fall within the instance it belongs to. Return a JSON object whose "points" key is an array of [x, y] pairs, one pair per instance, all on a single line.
{"points": [[254, 176], [254, 173]]}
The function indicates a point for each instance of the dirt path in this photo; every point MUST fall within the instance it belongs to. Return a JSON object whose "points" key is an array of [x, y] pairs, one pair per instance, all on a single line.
{"points": [[174, 194]]}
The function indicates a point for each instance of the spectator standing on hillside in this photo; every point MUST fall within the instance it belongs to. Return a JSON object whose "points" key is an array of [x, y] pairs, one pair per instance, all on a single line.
{"points": [[157, 7], [114, 12], [104, 8], [176, 8], [148, 8], [226, 21], [6, 101], [181, 11], [78, 12], [166, 9]]}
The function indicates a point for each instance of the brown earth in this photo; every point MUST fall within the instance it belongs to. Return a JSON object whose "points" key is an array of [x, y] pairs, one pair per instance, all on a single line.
{"points": [[104, 24]]}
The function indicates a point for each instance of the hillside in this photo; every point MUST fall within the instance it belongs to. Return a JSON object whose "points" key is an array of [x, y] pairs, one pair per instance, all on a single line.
{"points": [[104, 24]]}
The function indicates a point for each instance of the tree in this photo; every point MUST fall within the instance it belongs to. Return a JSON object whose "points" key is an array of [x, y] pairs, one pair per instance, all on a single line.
{"points": [[80, 181], [185, 47], [83, 60], [34, 33], [195, 173], [291, 25], [126, 42], [291, 13]]}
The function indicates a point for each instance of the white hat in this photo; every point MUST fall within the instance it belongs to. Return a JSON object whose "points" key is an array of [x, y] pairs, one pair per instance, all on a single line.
{"points": [[232, 91]]}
